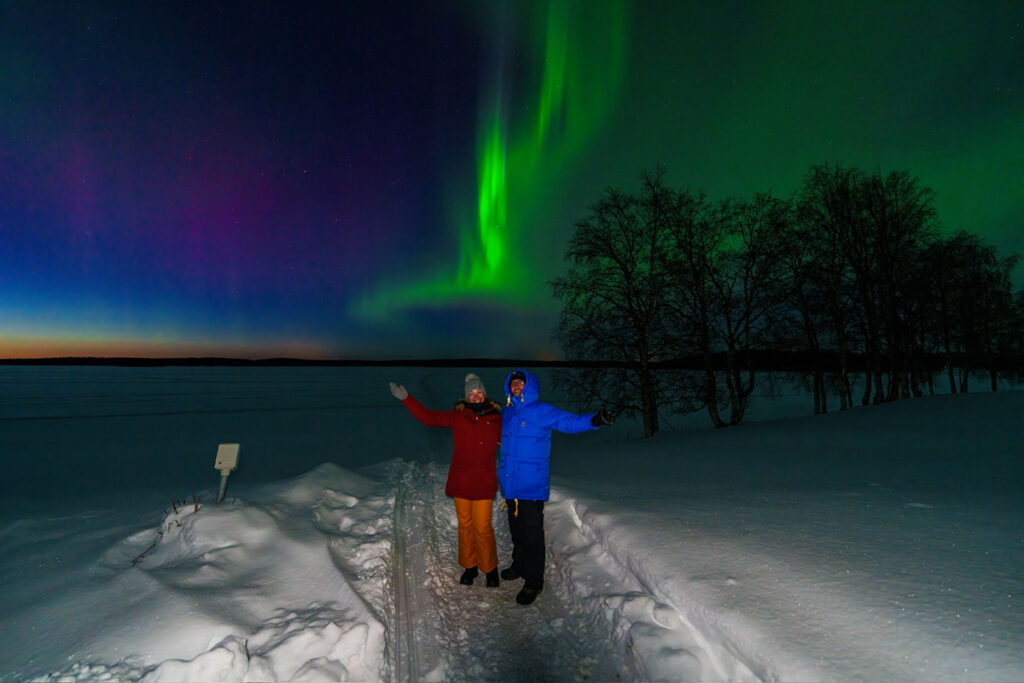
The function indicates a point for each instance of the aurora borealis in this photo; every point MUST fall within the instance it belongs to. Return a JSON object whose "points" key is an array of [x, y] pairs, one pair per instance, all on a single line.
{"points": [[398, 180]]}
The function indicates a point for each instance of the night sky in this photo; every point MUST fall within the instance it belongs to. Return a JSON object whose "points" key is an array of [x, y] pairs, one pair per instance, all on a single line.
{"points": [[399, 179]]}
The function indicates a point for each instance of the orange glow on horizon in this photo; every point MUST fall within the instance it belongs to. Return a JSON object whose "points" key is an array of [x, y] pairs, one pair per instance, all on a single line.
{"points": [[24, 348]]}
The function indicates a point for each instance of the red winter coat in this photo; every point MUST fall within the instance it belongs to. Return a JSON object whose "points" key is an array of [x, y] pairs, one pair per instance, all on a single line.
{"points": [[473, 473]]}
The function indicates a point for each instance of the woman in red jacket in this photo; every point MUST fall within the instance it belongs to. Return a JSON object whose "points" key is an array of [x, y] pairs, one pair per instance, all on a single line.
{"points": [[472, 476]]}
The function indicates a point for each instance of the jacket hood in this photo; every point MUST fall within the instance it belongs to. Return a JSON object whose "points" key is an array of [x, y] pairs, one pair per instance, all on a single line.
{"points": [[530, 392]]}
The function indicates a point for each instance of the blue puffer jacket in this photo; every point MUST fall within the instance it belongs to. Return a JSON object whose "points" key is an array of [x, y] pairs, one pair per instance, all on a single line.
{"points": [[526, 423]]}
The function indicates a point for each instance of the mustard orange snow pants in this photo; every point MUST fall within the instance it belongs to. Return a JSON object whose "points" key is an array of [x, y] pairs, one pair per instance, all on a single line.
{"points": [[477, 547]]}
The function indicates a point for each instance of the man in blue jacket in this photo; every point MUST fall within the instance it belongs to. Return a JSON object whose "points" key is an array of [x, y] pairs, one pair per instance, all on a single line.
{"points": [[524, 473]]}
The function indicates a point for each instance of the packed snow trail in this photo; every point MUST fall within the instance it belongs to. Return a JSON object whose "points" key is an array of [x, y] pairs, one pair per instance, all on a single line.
{"points": [[584, 626], [457, 632]]}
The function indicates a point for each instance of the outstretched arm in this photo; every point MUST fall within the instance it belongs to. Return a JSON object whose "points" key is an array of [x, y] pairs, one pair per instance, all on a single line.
{"points": [[563, 421], [431, 418]]}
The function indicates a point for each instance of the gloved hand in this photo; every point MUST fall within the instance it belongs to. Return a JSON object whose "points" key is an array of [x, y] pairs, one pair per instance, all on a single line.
{"points": [[602, 418], [398, 391]]}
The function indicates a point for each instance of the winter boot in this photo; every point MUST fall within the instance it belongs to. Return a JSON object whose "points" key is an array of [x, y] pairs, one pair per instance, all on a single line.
{"points": [[468, 576], [492, 578], [527, 595], [509, 574]]}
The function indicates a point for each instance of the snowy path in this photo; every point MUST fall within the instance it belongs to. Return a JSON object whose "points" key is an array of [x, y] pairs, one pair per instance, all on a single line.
{"points": [[442, 630], [596, 620]]}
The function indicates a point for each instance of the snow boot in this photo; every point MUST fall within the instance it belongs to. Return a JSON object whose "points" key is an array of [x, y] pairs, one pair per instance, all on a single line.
{"points": [[492, 578], [468, 576], [527, 595], [509, 574]]}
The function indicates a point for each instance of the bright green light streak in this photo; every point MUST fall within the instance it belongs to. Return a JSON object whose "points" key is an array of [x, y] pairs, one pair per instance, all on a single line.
{"points": [[492, 216], [555, 65], [524, 148]]}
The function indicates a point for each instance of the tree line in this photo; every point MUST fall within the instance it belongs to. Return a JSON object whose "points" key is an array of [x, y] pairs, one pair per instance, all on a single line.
{"points": [[849, 282]]}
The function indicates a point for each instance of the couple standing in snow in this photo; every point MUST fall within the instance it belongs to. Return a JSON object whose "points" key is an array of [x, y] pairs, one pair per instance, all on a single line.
{"points": [[523, 430]]}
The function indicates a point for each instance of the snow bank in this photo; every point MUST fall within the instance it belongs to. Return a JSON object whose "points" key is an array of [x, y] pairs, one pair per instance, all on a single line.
{"points": [[249, 590]]}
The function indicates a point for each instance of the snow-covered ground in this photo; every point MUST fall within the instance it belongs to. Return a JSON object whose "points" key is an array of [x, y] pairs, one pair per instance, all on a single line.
{"points": [[885, 543]]}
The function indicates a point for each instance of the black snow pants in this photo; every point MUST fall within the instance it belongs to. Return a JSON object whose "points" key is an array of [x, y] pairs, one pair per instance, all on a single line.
{"points": [[526, 524]]}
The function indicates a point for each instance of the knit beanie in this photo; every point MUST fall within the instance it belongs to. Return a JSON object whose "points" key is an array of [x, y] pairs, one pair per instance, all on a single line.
{"points": [[474, 382]]}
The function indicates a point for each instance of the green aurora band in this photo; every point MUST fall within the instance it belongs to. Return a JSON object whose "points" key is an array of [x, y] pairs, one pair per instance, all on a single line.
{"points": [[582, 49]]}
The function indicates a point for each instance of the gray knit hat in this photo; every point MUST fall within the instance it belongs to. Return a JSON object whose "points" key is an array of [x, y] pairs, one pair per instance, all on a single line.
{"points": [[474, 382]]}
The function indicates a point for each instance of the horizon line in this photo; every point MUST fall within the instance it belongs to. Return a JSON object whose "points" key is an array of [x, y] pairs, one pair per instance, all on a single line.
{"points": [[278, 360]]}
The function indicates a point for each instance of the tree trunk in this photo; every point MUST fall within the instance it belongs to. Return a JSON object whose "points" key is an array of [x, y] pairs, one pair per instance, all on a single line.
{"points": [[879, 386], [741, 399], [845, 390], [895, 377], [746, 389], [820, 398], [648, 401], [732, 381], [950, 372], [711, 392]]}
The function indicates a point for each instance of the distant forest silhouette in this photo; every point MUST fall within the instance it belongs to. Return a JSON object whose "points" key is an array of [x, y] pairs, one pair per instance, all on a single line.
{"points": [[681, 302], [675, 302]]}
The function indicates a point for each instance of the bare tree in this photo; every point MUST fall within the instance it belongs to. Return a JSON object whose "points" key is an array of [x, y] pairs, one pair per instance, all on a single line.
{"points": [[614, 302], [698, 231], [900, 221], [827, 213], [870, 233], [747, 290]]}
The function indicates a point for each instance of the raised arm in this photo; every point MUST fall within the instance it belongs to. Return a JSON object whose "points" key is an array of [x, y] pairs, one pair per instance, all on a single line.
{"points": [[431, 418]]}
